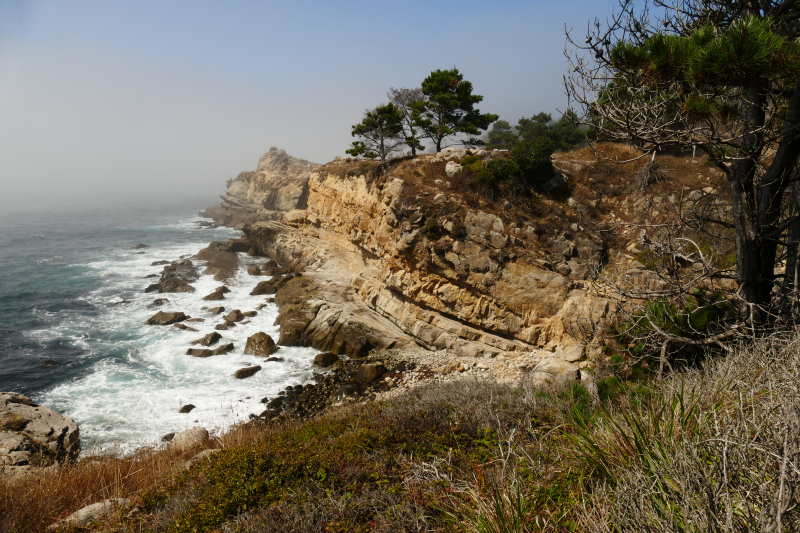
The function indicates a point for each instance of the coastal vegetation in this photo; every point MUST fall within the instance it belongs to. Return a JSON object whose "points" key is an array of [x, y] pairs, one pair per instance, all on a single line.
{"points": [[477, 456], [682, 412], [442, 107]]}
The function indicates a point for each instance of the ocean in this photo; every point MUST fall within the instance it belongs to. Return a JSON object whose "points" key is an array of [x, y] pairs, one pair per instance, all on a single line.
{"points": [[72, 333]]}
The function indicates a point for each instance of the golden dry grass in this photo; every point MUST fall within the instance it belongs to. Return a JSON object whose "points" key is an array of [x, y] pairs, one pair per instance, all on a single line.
{"points": [[33, 502]]}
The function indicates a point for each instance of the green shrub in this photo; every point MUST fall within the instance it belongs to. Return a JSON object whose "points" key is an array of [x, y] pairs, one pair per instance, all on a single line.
{"points": [[533, 160], [497, 171], [469, 160]]}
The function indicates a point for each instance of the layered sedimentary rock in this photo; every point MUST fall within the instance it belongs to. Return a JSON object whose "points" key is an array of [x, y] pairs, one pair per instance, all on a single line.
{"points": [[386, 262], [378, 268]]}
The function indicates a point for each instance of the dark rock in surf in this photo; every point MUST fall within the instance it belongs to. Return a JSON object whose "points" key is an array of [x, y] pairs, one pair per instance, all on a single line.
{"points": [[186, 408], [140, 246], [246, 372], [260, 344], [166, 318], [200, 352], [176, 277], [216, 310], [209, 340], [326, 359], [225, 348], [221, 260], [216, 295], [234, 316], [263, 287], [184, 327]]}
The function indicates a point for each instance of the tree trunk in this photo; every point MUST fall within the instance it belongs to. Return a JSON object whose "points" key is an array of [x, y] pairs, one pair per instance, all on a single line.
{"points": [[749, 251], [748, 243], [775, 182], [790, 278]]}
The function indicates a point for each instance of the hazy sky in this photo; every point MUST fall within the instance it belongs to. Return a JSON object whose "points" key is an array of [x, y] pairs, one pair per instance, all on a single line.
{"points": [[153, 98]]}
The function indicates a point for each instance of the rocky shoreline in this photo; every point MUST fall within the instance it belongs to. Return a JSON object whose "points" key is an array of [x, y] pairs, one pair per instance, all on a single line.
{"points": [[395, 285]]}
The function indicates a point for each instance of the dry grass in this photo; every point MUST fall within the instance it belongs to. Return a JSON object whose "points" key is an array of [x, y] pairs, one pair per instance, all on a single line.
{"points": [[35, 501], [712, 449]]}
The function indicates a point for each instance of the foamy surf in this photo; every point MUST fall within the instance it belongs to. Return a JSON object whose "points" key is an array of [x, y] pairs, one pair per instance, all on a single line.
{"points": [[139, 376]]}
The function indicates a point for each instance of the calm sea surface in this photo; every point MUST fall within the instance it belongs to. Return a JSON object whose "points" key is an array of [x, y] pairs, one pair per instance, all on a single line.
{"points": [[72, 333]]}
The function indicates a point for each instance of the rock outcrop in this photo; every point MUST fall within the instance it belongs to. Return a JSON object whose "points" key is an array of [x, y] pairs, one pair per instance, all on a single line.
{"points": [[387, 261], [221, 259], [176, 277], [92, 514], [33, 436], [279, 184], [188, 439]]}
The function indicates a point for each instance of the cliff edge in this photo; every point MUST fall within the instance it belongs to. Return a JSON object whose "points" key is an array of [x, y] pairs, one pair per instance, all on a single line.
{"points": [[279, 184]]}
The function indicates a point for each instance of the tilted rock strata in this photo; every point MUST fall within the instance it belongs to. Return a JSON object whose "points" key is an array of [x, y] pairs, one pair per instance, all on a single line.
{"points": [[457, 293]]}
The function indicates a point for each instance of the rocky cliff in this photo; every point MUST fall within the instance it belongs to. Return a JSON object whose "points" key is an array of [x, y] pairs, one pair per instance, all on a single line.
{"points": [[278, 184], [398, 256]]}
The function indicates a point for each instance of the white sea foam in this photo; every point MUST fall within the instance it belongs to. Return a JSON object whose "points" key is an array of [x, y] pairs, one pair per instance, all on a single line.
{"points": [[141, 376]]}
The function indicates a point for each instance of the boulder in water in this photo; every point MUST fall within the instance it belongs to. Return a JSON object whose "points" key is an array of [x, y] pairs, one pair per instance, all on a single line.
{"points": [[260, 344], [200, 352], [225, 348], [209, 340], [166, 318], [216, 310], [140, 246], [234, 316], [216, 295], [246, 372], [186, 408], [326, 359]]}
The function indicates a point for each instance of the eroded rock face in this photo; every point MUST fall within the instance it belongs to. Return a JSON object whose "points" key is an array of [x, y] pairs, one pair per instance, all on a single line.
{"points": [[32, 435], [463, 292], [279, 184], [374, 275]]}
